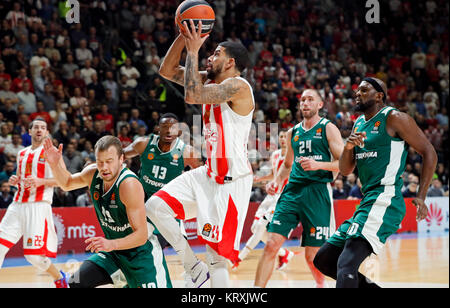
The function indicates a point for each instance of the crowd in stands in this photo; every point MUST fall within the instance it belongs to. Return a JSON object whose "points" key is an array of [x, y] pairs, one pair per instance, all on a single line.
{"points": [[100, 76]]}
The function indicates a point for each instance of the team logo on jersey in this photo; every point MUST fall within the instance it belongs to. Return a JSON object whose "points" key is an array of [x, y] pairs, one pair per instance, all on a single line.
{"points": [[151, 156], [375, 127], [96, 196], [296, 138], [29, 242], [175, 159], [312, 231], [356, 129], [318, 133], [206, 229]]}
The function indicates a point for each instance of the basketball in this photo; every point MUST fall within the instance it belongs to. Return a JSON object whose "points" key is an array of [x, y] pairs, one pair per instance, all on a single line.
{"points": [[196, 10]]}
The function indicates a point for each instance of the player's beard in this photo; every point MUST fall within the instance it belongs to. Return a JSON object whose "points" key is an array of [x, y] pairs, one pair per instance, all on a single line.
{"points": [[309, 114], [361, 107], [214, 72]]}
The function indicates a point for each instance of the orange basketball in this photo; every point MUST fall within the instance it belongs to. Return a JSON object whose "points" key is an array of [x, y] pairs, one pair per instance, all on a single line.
{"points": [[196, 10]]}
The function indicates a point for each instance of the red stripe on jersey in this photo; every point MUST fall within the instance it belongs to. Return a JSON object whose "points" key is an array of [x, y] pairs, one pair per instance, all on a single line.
{"points": [[222, 162], [174, 204], [225, 247], [40, 175], [6, 243], [28, 171], [206, 122], [19, 173]]}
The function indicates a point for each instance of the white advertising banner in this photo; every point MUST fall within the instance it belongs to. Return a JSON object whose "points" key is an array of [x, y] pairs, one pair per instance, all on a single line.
{"points": [[437, 219]]}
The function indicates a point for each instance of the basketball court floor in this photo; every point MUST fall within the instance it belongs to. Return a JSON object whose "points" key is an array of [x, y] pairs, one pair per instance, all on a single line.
{"points": [[408, 261]]}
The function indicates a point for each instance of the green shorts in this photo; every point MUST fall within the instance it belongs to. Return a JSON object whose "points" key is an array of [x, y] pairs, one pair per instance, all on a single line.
{"points": [[378, 216], [312, 205], [143, 267]]}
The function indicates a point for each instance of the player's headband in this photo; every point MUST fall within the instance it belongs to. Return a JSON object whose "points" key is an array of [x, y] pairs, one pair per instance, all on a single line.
{"points": [[376, 86]]}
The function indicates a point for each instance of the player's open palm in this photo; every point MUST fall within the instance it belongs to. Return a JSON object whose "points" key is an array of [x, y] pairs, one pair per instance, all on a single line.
{"points": [[52, 154]]}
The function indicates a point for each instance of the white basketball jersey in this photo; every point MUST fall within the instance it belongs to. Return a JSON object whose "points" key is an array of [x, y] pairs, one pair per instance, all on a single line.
{"points": [[32, 163], [226, 137]]}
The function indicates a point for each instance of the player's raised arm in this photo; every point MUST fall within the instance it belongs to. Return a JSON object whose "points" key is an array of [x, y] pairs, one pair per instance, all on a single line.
{"points": [[136, 148], [170, 67], [63, 177]]}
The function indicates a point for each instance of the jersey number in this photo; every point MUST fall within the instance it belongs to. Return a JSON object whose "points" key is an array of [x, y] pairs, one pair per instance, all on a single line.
{"points": [[107, 215], [304, 144], [159, 172]]}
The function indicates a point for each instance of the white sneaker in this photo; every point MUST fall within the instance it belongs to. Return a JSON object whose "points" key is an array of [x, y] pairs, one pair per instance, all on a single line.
{"points": [[198, 275], [188, 281], [283, 261]]}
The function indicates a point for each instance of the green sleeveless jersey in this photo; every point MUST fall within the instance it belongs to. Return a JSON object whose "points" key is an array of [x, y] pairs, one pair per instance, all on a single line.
{"points": [[159, 168], [110, 210], [311, 143], [382, 159]]}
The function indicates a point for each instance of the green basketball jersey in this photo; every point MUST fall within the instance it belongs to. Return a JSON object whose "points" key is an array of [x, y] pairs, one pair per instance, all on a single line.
{"points": [[110, 210], [159, 168], [382, 159], [311, 143]]}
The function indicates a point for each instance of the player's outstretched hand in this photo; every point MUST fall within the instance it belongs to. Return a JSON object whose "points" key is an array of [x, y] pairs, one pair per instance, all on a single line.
{"points": [[422, 209], [52, 154], [97, 244]]}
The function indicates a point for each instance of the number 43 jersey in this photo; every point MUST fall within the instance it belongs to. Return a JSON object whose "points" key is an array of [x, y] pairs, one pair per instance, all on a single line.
{"points": [[159, 168], [311, 143]]}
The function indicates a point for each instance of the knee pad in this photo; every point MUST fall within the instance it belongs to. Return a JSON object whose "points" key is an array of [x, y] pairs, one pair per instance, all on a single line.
{"points": [[40, 262], [155, 207]]}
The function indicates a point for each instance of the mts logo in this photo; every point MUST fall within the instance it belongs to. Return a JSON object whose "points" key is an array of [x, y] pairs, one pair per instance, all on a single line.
{"points": [[83, 231]]}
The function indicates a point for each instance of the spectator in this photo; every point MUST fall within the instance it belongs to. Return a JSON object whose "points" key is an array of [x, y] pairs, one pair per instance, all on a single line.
{"points": [[435, 189], [84, 199], [8, 170], [124, 136], [82, 53], [87, 71], [69, 67], [5, 137], [411, 190], [15, 146], [8, 97], [338, 190], [62, 198], [107, 117], [6, 197], [73, 161], [41, 113], [38, 63], [355, 191], [131, 72]]}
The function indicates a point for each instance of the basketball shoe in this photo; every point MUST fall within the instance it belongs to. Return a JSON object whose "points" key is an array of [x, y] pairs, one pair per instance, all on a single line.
{"points": [[284, 260]]}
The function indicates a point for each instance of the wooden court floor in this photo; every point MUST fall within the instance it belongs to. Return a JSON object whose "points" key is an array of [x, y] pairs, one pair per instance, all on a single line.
{"points": [[405, 262]]}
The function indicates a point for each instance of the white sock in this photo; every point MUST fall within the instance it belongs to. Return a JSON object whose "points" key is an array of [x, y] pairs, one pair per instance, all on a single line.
{"points": [[282, 252], [218, 269], [244, 253], [163, 217]]}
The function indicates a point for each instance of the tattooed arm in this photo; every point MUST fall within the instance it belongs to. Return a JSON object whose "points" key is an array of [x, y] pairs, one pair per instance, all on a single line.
{"points": [[170, 67], [195, 92]]}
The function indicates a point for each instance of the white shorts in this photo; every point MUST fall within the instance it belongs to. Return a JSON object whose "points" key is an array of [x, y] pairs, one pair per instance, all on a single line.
{"points": [[267, 205], [33, 221], [220, 208]]}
